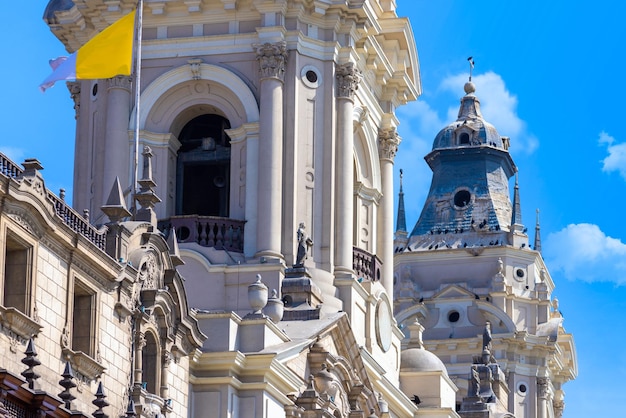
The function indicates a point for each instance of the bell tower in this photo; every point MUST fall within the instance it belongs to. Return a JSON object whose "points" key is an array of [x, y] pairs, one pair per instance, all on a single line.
{"points": [[467, 266]]}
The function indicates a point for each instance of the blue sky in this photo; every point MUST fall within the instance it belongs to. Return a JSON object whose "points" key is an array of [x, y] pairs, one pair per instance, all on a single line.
{"points": [[548, 74]]}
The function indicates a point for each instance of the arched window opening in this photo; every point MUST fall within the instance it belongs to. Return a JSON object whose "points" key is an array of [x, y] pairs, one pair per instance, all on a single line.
{"points": [[150, 357], [464, 138], [203, 167]]}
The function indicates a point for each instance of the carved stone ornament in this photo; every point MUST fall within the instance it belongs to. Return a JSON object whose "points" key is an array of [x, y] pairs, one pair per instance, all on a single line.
{"points": [[149, 272], [388, 141], [194, 67], [74, 88], [559, 406], [272, 59], [348, 79]]}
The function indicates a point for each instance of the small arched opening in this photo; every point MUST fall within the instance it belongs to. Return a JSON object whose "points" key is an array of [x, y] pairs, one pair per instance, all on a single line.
{"points": [[150, 363], [203, 167]]}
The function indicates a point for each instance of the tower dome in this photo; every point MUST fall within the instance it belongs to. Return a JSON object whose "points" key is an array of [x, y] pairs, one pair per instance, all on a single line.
{"points": [[421, 360], [470, 128], [56, 6]]}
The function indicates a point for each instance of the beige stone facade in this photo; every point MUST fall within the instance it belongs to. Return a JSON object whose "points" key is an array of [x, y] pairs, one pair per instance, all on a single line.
{"points": [[235, 256]]}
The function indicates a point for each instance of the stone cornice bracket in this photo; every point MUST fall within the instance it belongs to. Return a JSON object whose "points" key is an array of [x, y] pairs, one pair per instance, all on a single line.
{"points": [[348, 79], [272, 59], [74, 88], [119, 82], [388, 141]]}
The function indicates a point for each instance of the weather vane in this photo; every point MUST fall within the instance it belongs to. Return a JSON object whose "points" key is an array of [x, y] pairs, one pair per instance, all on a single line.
{"points": [[471, 63]]}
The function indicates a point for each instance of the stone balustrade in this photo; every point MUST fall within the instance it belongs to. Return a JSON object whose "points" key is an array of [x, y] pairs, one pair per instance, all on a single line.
{"points": [[207, 231], [365, 264]]}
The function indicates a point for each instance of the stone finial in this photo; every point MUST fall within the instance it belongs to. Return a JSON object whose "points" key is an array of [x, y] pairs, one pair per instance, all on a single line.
{"points": [[323, 380], [130, 409], [146, 196], [100, 402], [257, 296], [172, 243], [31, 361], [115, 207], [67, 383], [274, 308]]}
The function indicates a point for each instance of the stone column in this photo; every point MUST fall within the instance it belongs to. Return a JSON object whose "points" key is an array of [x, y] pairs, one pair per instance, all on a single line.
{"points": [[272, 58], [388, 141], [542, 397], [116, 156], [348, 78], [140, 343], [165, 372]]}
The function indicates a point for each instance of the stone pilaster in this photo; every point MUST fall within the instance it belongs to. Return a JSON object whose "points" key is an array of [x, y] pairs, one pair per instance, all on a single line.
{"points": [[348, 78], [388, 141], [116, 146], [272, 59]]}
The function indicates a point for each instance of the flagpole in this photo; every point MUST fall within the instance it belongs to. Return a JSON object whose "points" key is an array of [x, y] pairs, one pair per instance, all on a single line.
{"points": [[138, 31]]}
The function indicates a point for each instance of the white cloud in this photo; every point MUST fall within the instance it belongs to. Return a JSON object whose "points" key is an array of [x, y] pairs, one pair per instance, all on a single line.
{"points": [[419, 123], [584, 252], [616, 160], [498, 106]]}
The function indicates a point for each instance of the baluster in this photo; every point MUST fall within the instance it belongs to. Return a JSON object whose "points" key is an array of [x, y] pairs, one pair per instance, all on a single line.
{"points": [[228, 237], [203, 229], [219, 238], [210, 234]]}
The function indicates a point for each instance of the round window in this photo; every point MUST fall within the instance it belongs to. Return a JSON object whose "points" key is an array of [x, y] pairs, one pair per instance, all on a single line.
{"points": [[311, 76], [454, 316], [522, 389], [462, 198]]}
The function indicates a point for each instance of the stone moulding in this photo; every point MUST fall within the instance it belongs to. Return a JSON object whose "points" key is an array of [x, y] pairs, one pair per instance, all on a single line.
{"points": [[83, 364], [19, 323]]}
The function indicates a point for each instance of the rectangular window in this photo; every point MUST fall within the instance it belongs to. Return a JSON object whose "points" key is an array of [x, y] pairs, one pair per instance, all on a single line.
{"points": [[17, 274], [83, 335]]}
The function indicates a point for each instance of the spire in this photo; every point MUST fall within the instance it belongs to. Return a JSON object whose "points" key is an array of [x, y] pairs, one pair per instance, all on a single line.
{"points": [[537, 234], [401, 220], [115, 207], [516, 217]]}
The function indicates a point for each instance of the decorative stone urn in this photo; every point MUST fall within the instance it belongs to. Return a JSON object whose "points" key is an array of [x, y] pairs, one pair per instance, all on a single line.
{"points": [[257, 295], [274, 308]]}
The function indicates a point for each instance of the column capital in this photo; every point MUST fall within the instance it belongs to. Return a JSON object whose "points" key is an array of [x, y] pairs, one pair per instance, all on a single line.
{"points": [[388, 141], [543, 384], [119, 82], [272, 59], [348, 79]]}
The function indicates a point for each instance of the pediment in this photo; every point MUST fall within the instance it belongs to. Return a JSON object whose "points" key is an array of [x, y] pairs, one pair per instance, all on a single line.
{"points": [[454, 292]]}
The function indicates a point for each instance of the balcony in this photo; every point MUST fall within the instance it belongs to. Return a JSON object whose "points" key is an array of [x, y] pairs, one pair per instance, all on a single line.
{"points": [[366, 265], [207, 231]]}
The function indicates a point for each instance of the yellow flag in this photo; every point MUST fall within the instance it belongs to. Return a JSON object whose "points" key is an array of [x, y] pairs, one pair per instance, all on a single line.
{"points": [[109, 53]]}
